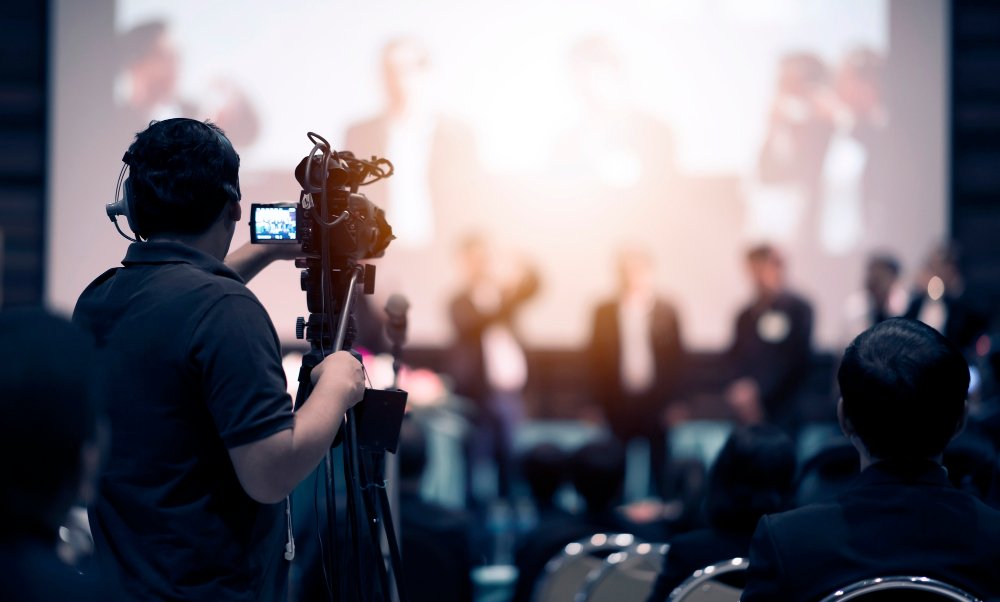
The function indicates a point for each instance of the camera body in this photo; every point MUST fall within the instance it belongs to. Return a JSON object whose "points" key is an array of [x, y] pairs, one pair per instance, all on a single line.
{"points": [[355, 228]]}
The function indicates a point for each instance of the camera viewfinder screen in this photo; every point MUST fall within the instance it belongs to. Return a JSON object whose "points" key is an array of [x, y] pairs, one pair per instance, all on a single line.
{"points": [[276, 224]]}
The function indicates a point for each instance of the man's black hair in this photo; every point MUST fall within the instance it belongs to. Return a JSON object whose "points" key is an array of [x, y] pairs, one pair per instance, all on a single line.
{"points": [[904, 388], [182, 173], [544, 467], [752, 476], [49, 409], [599, 474]]}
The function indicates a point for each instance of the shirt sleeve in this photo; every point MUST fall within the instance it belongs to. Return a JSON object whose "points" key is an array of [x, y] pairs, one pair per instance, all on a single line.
{"points": [[236, 350]]}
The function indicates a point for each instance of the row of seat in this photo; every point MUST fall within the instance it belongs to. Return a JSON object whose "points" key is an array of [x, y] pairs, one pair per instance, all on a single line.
{"points": [[616, 567]]}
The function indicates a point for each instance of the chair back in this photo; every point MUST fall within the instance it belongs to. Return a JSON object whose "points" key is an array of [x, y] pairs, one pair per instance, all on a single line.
{"points": [[626, 575], [567, 571], [721, 582], [887, 589]]}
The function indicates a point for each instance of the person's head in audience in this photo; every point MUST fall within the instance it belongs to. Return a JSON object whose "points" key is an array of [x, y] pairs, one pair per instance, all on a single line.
{"points": [[903, 388], [752, 476], [412, 454], [544, 468], [767, 270], [599, 474], [49, 449], [881, 275]]}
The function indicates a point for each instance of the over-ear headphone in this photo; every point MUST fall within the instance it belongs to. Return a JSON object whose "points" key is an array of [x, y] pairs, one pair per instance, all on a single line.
{"points": [[123, 205]]}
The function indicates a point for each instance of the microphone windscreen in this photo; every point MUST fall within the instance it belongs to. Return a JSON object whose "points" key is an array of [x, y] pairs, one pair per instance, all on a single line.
{"points": [[396, 306]]}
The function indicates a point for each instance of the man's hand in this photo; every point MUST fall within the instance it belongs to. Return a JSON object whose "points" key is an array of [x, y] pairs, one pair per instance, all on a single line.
{"points": [[340, 372]]}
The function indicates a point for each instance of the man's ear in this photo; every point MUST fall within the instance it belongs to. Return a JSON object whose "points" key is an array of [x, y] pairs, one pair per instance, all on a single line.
{"points": [[845, 423], [235, 211]]}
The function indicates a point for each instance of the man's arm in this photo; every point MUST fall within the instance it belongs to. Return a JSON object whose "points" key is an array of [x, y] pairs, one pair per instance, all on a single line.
{"points": [[766, 574], [269, 469], [250, 259]]}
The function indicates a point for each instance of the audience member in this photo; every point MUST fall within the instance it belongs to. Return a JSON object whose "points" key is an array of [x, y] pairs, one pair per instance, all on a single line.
{"points": [[771, 345], [903, 390], [436, 541], [597, 471], [544, 468], [752, 476], [636, 358], [48, 453]]}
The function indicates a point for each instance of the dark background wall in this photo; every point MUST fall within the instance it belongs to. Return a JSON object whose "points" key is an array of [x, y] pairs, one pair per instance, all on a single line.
{"points": [[24, 47], [975, 143], [23, 134]]}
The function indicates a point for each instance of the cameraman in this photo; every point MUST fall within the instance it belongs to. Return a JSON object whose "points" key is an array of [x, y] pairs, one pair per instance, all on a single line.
{"points": [[204, 443]]}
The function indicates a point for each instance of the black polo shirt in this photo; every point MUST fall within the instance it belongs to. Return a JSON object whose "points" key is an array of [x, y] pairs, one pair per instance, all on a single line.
{"points": [[192, 367]]}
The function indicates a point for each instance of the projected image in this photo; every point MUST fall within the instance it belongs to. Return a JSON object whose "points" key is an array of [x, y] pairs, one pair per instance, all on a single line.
{"points": [[818, 164], [564, 130]]}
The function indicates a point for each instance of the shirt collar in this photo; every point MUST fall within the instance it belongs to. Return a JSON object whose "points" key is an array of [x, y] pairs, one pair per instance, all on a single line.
{"points": [[162, 252], [917, 471]]}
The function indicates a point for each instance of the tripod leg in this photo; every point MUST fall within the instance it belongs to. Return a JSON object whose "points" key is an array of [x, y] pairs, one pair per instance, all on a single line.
{"points": [[370, 480], [395, 559], [355, 507]]}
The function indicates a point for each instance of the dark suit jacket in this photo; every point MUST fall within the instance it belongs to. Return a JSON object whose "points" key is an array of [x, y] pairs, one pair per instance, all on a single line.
{"points": [[898, 518], [466, 361], [635, 416], [778, 367]]}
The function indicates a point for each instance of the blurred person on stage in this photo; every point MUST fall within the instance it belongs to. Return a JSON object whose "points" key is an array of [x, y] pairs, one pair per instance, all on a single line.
{"points": [[637, 359], [771, 350], [882, 297], [487, 361], [941, 300]]}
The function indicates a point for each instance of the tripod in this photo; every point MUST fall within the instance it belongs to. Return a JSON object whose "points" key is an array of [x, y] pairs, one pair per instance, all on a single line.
{"points": [[370, 429]]}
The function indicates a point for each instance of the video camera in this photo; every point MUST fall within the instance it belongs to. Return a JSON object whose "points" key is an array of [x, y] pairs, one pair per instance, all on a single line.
{"points": [[329, 200], [336, 227]]}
